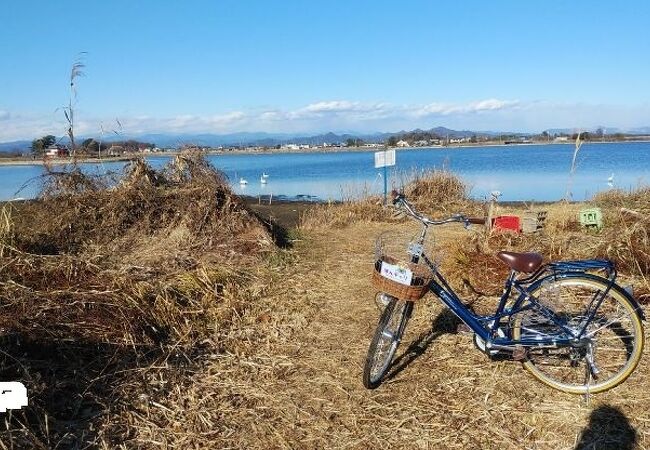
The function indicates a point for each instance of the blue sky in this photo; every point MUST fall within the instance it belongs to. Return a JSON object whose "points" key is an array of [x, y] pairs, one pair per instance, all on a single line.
{"points": [[311, 66]]}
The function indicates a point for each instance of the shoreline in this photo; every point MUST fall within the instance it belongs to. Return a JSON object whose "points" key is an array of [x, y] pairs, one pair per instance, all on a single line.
{"points": [[95, 160], [61, 161]]}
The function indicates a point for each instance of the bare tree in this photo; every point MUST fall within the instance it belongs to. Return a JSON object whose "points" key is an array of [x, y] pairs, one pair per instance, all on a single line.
{"points": [[572, 172], [69, 111], [102, 131]]}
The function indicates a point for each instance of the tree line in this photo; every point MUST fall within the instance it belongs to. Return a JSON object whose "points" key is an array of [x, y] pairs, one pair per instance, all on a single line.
{"points": [[89, 146]]}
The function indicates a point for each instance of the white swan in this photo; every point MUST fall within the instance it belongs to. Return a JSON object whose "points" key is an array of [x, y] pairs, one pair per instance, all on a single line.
{"points": [[243, 182]]}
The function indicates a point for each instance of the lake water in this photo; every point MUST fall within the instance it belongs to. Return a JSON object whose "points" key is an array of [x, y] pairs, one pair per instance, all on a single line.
{"points": [[523, 172]]}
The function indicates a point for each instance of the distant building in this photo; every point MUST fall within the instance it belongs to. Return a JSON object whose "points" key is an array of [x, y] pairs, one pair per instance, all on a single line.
{"points": [[561, 139], [115, 150], [402, 144], [56, 151]]}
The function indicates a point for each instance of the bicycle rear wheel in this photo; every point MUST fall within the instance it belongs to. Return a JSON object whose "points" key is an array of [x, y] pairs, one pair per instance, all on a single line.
{"points": [[383, 346], [614, 341]]}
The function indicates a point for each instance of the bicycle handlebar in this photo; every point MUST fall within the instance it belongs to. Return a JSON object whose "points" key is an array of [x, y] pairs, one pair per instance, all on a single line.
{"points": [[399, 201]]}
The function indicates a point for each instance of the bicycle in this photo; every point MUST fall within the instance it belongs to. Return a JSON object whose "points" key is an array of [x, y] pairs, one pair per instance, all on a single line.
{"points": [[573, 330]]}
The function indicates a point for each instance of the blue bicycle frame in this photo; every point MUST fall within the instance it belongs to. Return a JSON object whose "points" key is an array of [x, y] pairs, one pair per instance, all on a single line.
{"points": [[486, 327]]}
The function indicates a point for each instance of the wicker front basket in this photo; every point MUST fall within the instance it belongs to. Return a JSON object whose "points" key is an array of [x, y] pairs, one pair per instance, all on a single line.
{"points": [[419, 283]]}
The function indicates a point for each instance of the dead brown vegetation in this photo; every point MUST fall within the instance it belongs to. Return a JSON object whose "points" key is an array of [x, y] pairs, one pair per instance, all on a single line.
{"points": [[170, 328], [624, 239], [435, 192], [341, 214], [114, 277], [439, 192]]}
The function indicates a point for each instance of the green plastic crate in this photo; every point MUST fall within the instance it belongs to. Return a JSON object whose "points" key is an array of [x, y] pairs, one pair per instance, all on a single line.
{"points": [[591, 217]]}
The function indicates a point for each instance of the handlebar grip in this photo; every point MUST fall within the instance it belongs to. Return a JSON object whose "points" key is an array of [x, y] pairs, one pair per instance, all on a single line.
{"points": [[477, 220]]}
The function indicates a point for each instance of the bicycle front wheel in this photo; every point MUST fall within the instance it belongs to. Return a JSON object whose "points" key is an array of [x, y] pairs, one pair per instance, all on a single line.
{"points": [[383, 346], [613, 338]]}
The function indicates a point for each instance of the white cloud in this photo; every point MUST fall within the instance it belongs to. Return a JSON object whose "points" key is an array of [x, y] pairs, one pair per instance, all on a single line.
{"points": [[228, 119], [339, 108], [446, 109], [19, 126], [272, 116], [336, 115], [334, 106], [492, 105]]}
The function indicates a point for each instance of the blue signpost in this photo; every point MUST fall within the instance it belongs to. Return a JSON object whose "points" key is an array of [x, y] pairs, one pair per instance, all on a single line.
{"points": [[385, 159]]}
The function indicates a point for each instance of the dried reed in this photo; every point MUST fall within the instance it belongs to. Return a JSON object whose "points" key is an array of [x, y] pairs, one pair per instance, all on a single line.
{"points": [[435, 192], [127, 344]]}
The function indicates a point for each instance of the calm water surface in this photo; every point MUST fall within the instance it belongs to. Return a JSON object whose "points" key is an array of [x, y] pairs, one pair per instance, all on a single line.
{"points": [[525, 172]]}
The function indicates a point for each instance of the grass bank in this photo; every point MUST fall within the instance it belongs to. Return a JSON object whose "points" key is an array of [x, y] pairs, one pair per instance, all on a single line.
{"points": [[165, 312]]}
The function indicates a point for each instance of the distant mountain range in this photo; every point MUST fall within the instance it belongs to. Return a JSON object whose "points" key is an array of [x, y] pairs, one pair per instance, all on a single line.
{"points": [[606, 130], [271, 139], [170, 140], [15, 146]]}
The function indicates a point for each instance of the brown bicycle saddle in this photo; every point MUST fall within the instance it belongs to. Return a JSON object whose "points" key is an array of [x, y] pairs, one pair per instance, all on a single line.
{"points": [[521, 262]]}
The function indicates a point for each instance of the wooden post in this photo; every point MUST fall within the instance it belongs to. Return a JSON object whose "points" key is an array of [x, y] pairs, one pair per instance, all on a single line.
{"points": [[493, 200]]}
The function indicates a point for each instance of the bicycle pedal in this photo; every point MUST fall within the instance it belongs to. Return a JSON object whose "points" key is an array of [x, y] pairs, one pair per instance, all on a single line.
{"points": [[519, 353]]}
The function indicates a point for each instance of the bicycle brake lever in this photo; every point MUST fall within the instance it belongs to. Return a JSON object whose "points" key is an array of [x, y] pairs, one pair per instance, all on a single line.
{"points": [[466, 222]]}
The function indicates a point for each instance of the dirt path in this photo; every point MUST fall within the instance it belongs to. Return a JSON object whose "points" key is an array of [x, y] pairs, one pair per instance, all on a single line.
{"points": [[291, 376], [448, 395]]}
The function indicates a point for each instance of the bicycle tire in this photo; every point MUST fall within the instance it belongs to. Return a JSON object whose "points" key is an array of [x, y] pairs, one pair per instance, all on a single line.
{"points": [[616, 331], [389, 331]]}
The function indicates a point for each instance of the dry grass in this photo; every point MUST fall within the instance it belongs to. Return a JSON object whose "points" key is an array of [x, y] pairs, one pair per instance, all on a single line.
{"points": [[342, 214], [128, 341], [624, 239], [294, 377], [635, 199], [6, 228], [187, 209], [98, 283], [440, 192], [435, 192]]}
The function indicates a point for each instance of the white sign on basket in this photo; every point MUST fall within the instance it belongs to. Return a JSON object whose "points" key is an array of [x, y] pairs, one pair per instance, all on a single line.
{"points": [[399, 274], [13, 395]]}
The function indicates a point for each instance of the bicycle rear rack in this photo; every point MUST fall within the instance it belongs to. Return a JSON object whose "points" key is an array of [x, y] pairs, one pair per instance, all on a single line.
{"points": [[576, 266], [582, 266]]}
